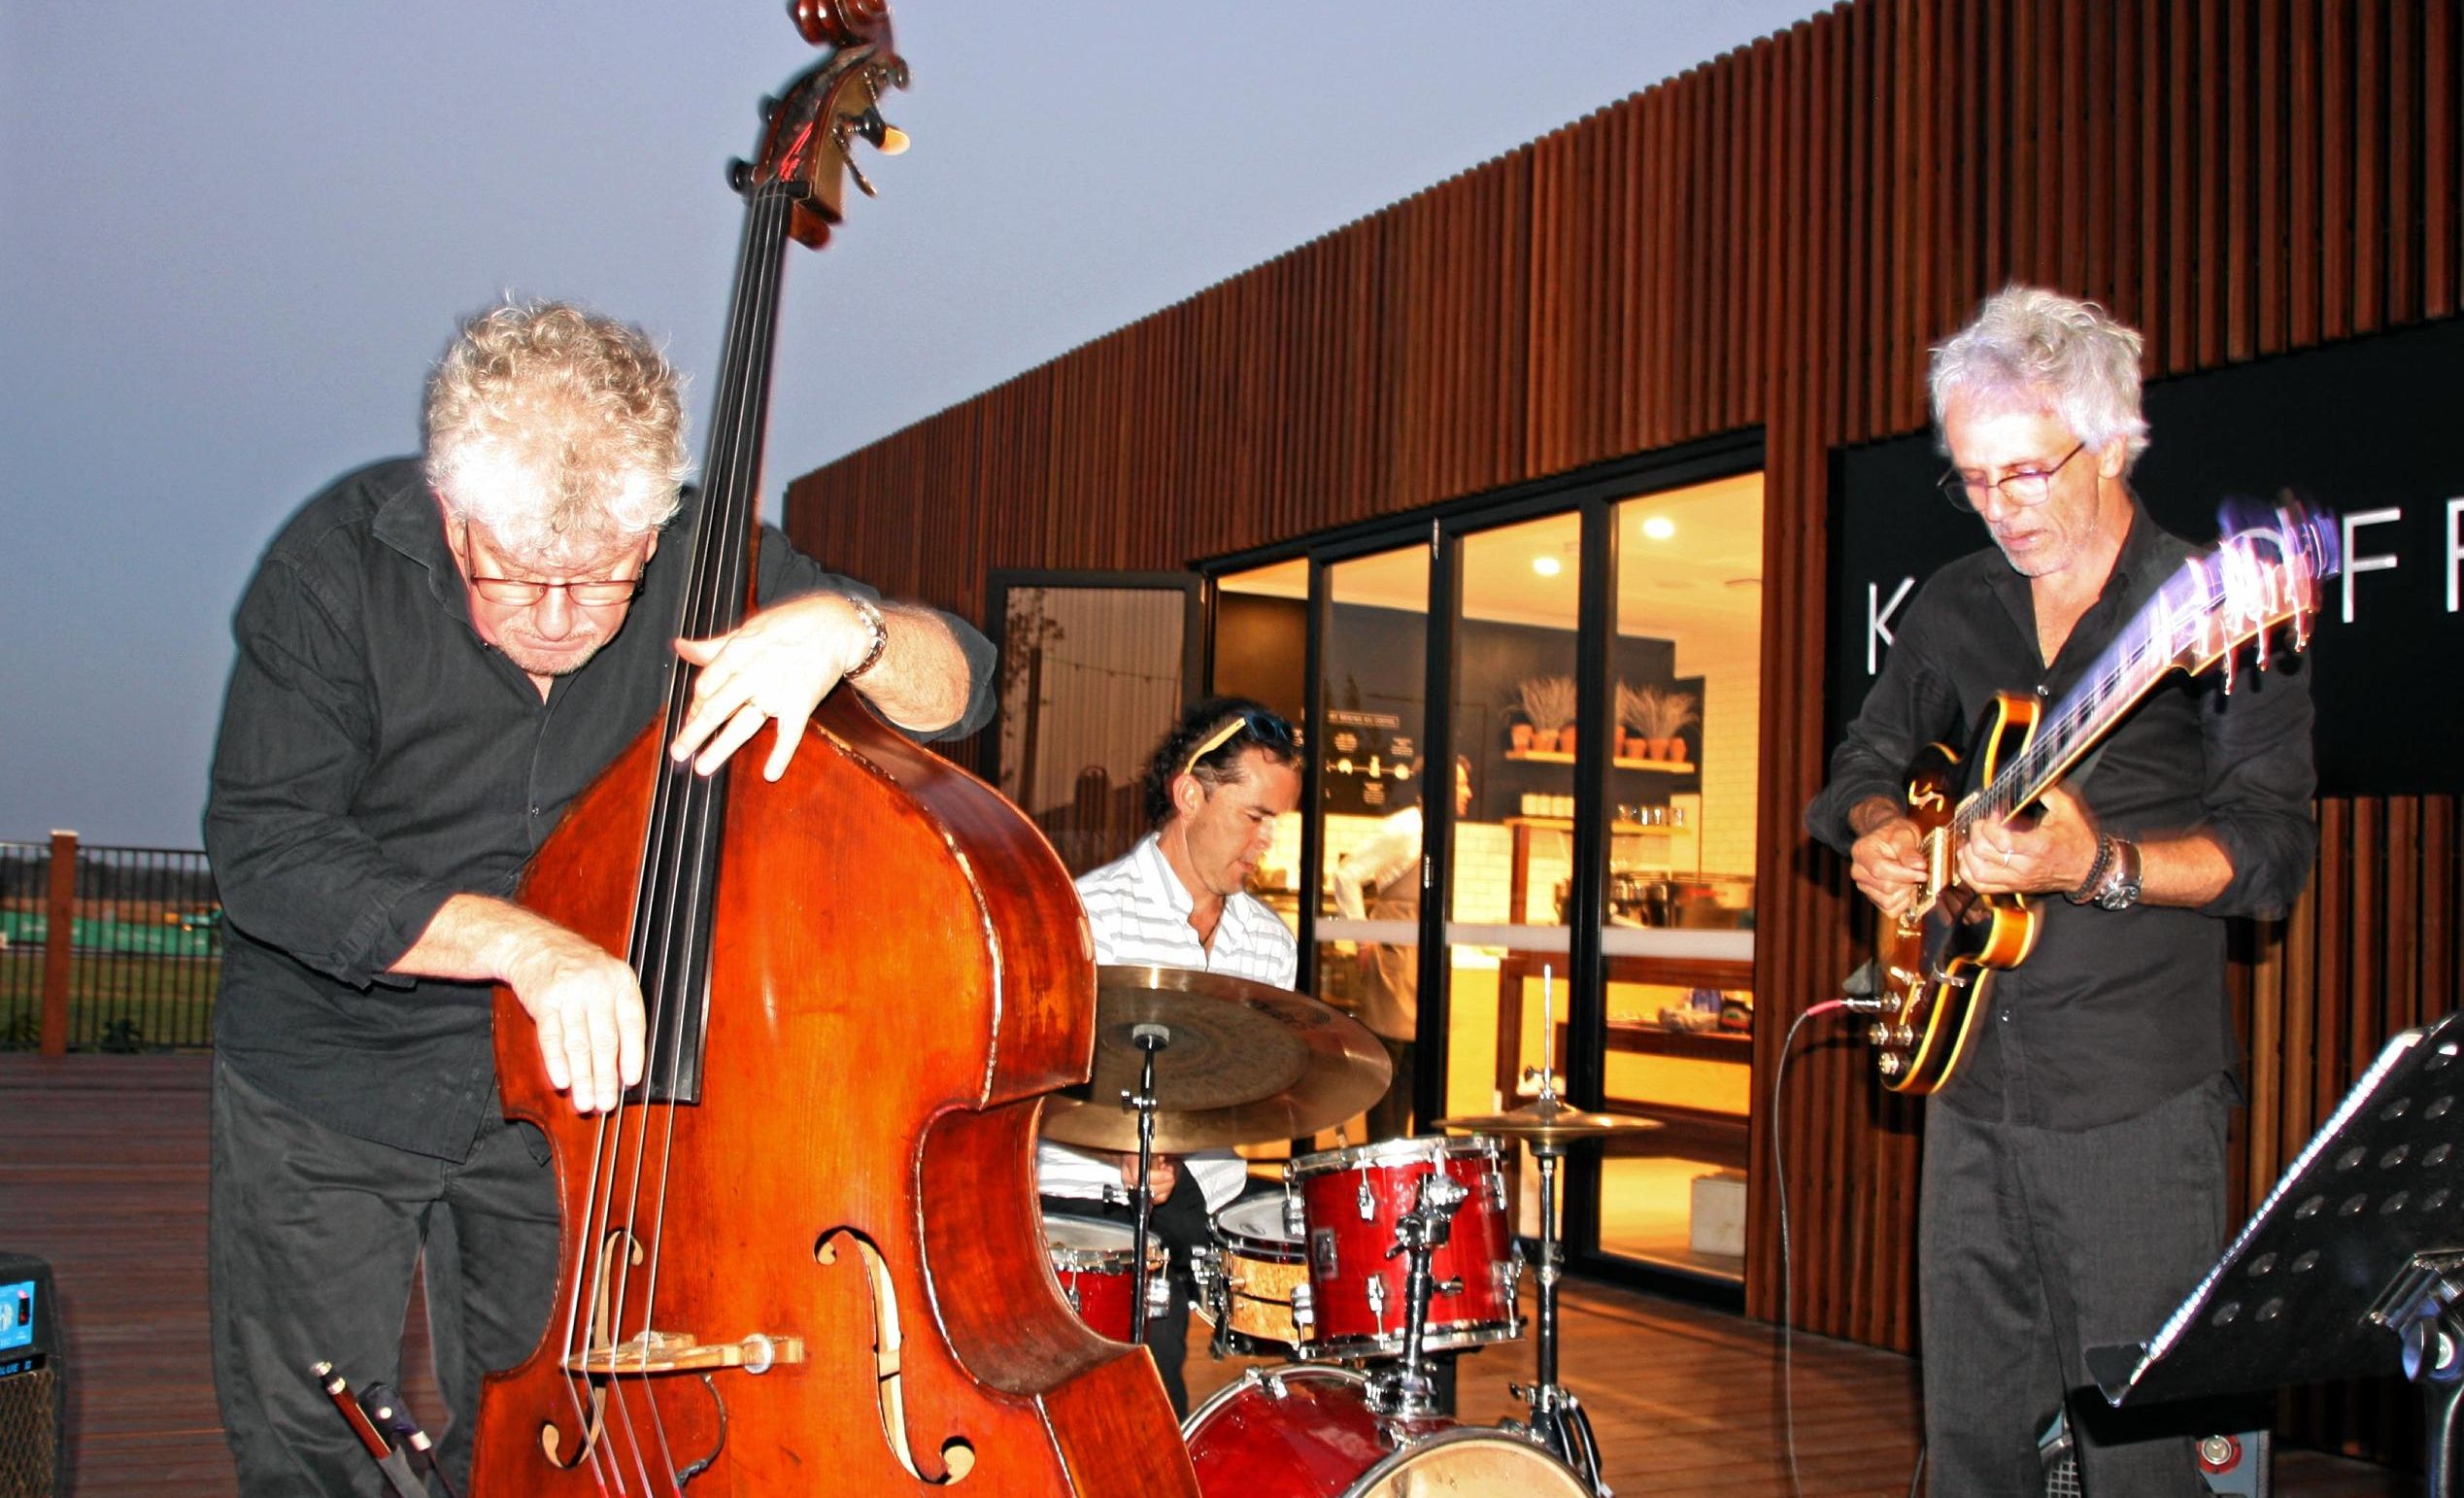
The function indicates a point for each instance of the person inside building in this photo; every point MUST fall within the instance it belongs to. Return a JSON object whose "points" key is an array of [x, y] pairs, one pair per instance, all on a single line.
{"points": [[1214, 789], [435, 654], [2073, 1176], [1379, 879]]}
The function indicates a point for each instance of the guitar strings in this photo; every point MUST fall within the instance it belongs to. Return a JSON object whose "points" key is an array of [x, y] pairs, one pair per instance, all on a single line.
{"points": [[2192, 594]]}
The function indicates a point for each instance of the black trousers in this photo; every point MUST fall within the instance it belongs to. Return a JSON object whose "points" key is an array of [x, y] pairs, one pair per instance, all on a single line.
{"points": [[1180, 1222], [1390, 1116], [2035, 1245], [313, 1236]]}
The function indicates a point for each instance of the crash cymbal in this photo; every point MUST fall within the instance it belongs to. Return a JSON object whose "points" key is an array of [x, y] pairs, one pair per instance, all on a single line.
{"points": [[1244, 1064], [1550, 1121]]}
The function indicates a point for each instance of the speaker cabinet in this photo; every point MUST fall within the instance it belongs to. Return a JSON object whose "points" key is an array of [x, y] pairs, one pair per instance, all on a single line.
{"points": [[33, 1382]]}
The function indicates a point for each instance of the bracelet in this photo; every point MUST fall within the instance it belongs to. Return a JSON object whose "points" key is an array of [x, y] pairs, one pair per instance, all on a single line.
{"points": [[881, 637], [2089, 886]]}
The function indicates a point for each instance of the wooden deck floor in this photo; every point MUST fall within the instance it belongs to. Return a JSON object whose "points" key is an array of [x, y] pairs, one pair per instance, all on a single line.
{"points": [[102, 1171]]}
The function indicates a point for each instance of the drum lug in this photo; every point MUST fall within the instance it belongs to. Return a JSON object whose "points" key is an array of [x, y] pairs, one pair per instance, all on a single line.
{"points": [[1497, 1186], [1304, 1312], [1377, 1302], [1295, 1217], [1368, 1203]]}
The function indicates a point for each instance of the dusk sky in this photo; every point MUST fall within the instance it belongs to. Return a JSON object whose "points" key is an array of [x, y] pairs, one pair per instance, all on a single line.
{"points": [[233, 236]]}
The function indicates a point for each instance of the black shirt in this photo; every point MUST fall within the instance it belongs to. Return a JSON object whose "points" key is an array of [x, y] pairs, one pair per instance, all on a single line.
{"points": [[376, 757], [2114, 1011]]}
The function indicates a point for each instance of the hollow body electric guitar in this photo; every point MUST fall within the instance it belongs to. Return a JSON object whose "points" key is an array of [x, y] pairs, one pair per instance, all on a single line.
{"points": [[1934, 962]]}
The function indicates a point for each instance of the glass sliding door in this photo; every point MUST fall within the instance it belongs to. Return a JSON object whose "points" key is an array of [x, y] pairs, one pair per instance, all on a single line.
{"points": [[1551, 718], [1512, 714], [1676, 943], [1373, 779], [1093, 670]]}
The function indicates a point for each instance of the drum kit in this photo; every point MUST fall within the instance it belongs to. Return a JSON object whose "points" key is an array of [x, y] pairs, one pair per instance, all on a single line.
{"points": [[1371, 1259]]}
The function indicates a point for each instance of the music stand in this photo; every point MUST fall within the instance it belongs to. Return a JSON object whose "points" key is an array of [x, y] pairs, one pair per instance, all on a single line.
{"points": [[2353, 1265]]}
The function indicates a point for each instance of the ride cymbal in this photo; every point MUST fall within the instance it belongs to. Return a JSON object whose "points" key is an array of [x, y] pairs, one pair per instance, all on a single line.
{"points": [[1243, 1064], [1549, 1121]]}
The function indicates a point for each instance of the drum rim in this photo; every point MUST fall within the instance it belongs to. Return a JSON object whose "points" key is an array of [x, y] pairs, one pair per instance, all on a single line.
{"points": [[1458, 1434], [1414, 1150], [1256, 1377], [1227, 1236], [1438, 1337], [1072, 1259]]}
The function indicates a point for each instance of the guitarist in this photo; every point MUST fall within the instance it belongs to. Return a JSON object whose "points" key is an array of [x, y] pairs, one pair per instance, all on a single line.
{"points": [[2074, 1177]]}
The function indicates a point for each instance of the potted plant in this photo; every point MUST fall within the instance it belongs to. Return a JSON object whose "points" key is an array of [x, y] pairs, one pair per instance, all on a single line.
{"points": [[1670, 715], [1548, 706], [1635, 706]]}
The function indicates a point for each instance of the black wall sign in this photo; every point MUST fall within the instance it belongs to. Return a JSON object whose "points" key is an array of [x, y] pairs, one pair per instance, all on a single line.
{"points": [[2372, 429]]}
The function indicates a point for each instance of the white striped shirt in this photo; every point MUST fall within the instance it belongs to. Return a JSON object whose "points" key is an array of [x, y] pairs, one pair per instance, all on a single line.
{"points": [[1139, 912]]}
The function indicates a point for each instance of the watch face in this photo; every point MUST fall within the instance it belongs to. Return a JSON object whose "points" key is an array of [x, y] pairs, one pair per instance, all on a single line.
{"points": [[2119, 898]]}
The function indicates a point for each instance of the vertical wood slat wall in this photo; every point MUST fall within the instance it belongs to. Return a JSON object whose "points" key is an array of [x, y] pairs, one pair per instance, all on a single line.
{"points": [[1774, 239]]}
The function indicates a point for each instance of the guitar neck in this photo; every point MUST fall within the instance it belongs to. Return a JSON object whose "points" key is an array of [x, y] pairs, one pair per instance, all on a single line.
{"points": [[2152, 643]]}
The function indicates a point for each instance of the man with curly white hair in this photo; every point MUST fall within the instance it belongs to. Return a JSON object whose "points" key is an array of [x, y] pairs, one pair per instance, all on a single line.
{"points": [[2073, 1176], [435, 657]]}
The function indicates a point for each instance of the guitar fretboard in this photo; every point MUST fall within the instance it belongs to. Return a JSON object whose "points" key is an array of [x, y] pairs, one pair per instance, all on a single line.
{"points": [[2251, 582]]}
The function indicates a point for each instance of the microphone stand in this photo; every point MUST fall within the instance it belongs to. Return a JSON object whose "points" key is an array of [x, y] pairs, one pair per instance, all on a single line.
{"points": [[1148, 1040]]}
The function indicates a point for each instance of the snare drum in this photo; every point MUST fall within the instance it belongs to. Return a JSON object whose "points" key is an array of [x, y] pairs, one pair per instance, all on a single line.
{"points": [[1307, 1432], [1351, 1199], [1090, 1258], [1256, 1278]]}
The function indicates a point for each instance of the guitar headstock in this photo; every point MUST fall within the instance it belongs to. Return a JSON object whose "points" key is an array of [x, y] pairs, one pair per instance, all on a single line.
{"points": [[811, 131], [2263, 578]]}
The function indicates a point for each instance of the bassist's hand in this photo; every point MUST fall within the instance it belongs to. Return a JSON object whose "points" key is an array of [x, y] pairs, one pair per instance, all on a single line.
{"points": [[774, 667], [589, 1009], [2050, 852], [1888, 862]]}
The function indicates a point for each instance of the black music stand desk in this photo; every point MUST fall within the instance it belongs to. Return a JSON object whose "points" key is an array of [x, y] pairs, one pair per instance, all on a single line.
{"points": [[2352, 1266]]}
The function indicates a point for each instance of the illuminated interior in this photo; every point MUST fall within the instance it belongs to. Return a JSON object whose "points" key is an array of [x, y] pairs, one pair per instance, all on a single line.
{"points": [[1677, 947]]}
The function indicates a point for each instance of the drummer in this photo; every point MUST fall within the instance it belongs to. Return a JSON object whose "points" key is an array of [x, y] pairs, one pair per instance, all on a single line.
{"points": [[1214, 788]]}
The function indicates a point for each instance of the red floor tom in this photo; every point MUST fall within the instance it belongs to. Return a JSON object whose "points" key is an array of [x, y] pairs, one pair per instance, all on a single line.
{"points": [[1308, 1432], [1090, 1257], [1350, 1201]]}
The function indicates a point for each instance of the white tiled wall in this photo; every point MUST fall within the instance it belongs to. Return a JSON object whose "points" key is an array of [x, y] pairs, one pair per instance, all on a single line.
{"points": [[1731, 728]]}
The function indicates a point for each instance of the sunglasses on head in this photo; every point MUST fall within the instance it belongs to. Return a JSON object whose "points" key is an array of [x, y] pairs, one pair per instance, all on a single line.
{"points": [[1263, 728]]}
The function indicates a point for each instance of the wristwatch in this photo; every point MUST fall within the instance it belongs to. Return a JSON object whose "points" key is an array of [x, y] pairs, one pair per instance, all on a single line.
{"points": [[2120, 889]]}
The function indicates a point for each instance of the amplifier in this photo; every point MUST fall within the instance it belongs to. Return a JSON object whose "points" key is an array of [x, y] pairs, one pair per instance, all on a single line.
{"points": [[33, 1387]]}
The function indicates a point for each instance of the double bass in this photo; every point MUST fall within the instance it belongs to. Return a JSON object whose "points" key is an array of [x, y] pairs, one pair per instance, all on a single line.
{"points": [[804, 1253]]}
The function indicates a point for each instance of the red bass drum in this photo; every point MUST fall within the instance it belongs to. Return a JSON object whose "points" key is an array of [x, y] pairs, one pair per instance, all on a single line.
{"points": [[1308, 1432]]}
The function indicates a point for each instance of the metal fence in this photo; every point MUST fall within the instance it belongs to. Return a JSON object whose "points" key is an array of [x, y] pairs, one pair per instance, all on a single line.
{"points": [[134, 963]]}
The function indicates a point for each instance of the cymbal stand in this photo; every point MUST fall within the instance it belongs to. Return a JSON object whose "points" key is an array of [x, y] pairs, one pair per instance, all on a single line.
{"points": [[1148, 1040], [1558, 1420], [1403, 1388]]}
